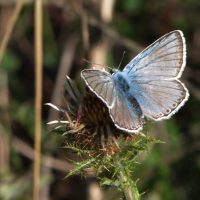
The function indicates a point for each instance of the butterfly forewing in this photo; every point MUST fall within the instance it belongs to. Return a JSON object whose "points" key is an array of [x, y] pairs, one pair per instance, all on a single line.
{"points": [[101, 83], [164, 59]]}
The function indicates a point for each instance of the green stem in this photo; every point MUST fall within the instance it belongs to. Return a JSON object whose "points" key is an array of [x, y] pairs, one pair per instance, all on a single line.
{"points": [[128, 185]]}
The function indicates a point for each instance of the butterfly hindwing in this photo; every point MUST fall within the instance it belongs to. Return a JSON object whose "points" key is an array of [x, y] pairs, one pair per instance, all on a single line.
{"points": [[159, 99], [125, 116]]}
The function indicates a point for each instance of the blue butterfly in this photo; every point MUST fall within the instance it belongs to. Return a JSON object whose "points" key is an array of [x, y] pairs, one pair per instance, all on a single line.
{"points": [[148, 86]]}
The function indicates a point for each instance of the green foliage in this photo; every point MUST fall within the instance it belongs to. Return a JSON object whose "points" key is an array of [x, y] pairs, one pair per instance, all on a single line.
{"points": [[50, 45], [173, 134], [125, 28], [115, 170], [24, 114], [190, 2], [133, 5], [10, 62], [14, 188]]}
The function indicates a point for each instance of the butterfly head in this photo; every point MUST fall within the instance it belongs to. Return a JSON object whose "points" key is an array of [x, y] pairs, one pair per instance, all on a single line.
{"points": [[113, 71]]}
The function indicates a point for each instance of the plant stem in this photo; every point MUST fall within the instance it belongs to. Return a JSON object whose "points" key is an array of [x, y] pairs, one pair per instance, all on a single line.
{"points": [[10, 26], [128, 185], [131, 192], [38, 97]]}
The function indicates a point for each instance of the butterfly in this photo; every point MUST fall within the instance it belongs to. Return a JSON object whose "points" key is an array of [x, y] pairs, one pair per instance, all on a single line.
{"points": [[148, 86]]}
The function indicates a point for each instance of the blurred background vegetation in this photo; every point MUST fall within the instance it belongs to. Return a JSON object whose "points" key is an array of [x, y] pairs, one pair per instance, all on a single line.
{"points": [[99, 31]]}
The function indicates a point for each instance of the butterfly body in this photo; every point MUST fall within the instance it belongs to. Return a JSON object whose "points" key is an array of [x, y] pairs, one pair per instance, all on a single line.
{"points": [[121, 82], [125, 91], [148, 86]]}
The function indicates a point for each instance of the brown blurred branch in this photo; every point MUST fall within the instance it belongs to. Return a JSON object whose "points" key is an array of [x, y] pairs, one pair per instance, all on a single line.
{"points": [[12, 2], [84, 23], [63, 69], [106, 29], [106, 10], [59, 3], [27, 151], [94, 191], [99, 51], [114, 35], [8, 18], [10, 26], [4, 150], [38, 97]]}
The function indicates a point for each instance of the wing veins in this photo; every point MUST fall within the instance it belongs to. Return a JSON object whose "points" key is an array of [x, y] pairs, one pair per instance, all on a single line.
{"points": [[156, 59], [112, 93], [157, 102], [152, 51], [96, 74], [177, 45], [158, 85]]}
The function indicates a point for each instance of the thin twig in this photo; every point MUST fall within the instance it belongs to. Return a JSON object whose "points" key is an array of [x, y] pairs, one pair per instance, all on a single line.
{"points": [[48, 161], [63, 70], [84, 23], [106, 10], [59, 3], [114, 35], [10, 26], [38, 98], [4, 96]]}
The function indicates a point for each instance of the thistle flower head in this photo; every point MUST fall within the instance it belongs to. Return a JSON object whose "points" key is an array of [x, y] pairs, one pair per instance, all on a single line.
{"points": [[89, 130], [86, 121]]}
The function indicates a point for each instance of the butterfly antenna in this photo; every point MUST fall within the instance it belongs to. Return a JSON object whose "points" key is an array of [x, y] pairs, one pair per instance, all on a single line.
{"points": [[121, 60], [93, 63]]}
